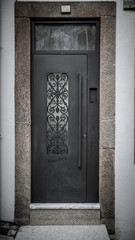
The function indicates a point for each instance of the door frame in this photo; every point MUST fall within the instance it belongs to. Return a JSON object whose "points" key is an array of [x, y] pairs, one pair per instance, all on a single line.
{"points": [[24, 12]]}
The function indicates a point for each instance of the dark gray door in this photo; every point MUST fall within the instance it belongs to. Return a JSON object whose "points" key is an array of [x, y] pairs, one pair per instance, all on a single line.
{"points": [[59, 101]]}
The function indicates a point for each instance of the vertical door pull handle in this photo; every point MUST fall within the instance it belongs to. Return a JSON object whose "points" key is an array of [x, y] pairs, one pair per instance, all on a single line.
{"points": [[80, 119]]}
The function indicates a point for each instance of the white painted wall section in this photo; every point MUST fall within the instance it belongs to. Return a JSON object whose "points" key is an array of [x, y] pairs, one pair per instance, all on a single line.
{"points": [[7, 111], [124, 161]]}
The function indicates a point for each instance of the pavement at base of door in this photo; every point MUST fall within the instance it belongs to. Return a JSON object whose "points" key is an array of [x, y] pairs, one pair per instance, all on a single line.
{"points": [[63, 233]]}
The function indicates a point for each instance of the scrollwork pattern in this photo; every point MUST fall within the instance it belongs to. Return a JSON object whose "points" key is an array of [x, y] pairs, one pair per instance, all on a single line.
{"points": [[57, 113]]}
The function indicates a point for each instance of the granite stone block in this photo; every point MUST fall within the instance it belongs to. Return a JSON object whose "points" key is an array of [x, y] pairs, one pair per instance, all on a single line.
{"points": [[106, 183], [107, 68], [22, 105], [22, 47], [65, 217], [107, 134], [107, 97], [107, 45], [78, 9], [22, 76], [22, 170]]}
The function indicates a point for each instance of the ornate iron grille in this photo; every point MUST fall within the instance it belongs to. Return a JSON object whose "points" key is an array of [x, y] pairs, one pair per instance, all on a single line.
{"points": [[57, 113]]}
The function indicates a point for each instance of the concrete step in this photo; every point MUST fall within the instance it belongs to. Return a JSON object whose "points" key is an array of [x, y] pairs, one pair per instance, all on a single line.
{"points": [[65, 214], [63, 233]]}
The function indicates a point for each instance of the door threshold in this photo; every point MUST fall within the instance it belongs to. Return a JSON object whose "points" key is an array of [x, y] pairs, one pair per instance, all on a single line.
{"points": [[92, 206]]}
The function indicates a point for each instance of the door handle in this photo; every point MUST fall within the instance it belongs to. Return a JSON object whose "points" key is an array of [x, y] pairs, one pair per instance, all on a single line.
{"points": [[80, 119]]}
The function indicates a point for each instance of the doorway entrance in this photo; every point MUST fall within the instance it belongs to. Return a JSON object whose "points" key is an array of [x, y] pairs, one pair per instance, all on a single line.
{"points": [[65, 111]]}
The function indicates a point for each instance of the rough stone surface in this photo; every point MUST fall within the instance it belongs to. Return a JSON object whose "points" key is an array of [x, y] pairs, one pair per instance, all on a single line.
{"points": [[107, 134], [23, 106], [107, 97], [64, 217], [23, 171], [63, 233], [22, 83], [23, 121], [107, 183], [107, 68], [107, 45], [22, 39], [53, 10]]}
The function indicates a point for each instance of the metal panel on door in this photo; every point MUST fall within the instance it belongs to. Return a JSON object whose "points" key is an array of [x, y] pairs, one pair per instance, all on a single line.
{"points": [[59, 103]]}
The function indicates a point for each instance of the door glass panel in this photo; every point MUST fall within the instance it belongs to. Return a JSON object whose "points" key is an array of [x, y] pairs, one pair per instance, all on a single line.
{"points": [[65, 37], [57, 113]]}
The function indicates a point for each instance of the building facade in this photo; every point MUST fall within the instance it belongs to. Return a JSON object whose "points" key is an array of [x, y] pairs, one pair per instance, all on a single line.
{"points": [[105, 115]]}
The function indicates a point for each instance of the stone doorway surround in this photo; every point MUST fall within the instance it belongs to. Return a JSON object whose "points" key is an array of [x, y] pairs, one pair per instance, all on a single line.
{"points": [[24, 12]]}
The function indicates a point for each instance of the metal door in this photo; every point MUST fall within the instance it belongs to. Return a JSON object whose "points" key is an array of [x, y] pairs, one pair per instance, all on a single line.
{"points": [[65, 126], [59, 124]]}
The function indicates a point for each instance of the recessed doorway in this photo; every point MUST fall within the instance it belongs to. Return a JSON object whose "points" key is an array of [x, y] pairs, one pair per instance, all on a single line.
{"points": [[65, 111]]}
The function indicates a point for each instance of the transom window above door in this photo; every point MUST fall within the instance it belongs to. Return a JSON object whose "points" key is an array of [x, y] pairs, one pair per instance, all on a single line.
{"points": [[65, 36]]}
